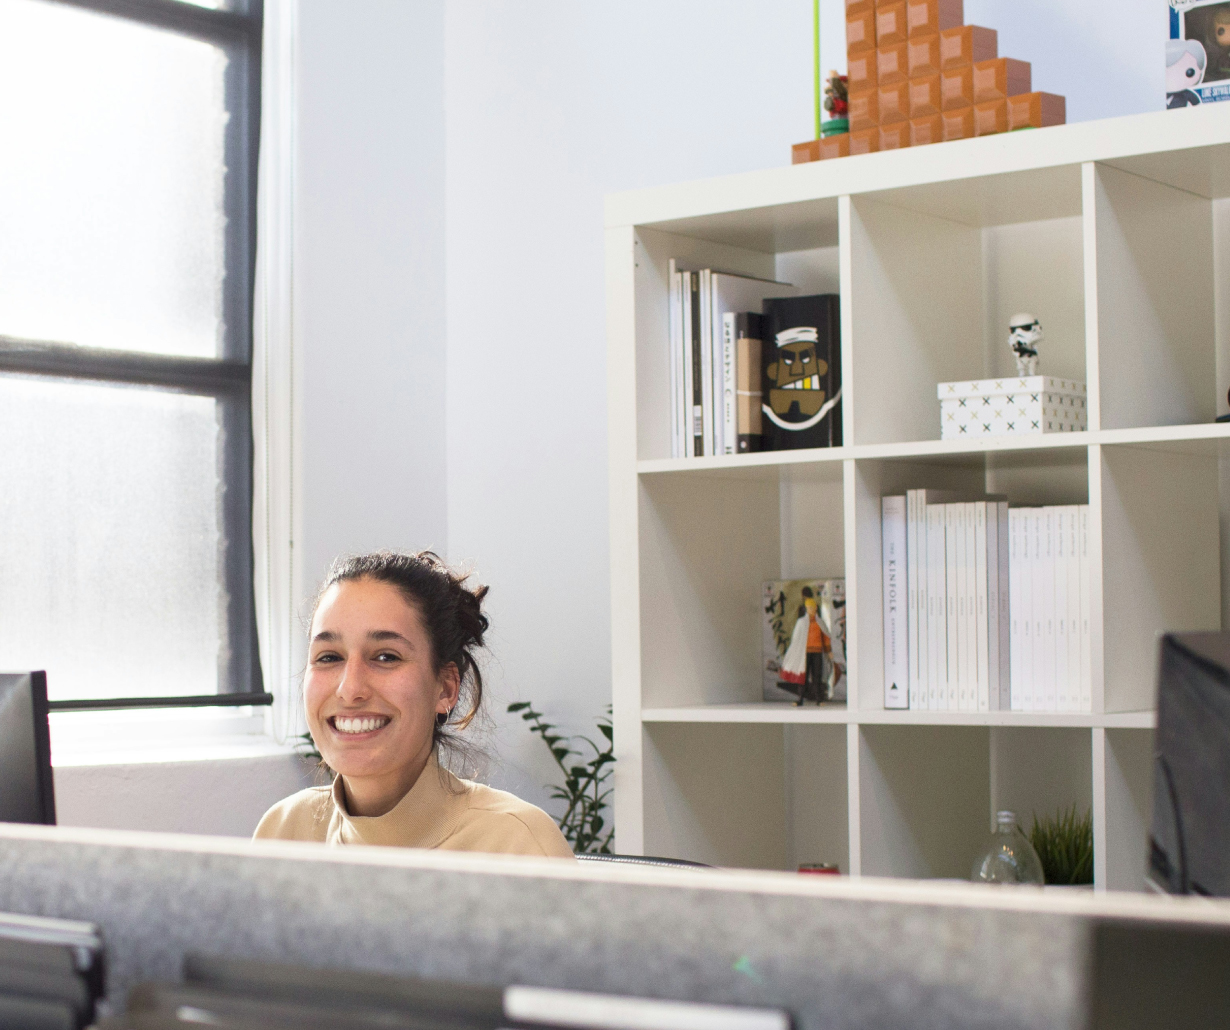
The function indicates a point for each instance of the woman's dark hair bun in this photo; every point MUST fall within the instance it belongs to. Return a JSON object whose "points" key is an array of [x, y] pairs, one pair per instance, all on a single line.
{"points": [[451, 613]]}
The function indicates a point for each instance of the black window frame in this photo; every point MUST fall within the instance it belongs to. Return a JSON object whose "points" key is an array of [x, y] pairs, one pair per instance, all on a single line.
{"points": [[227, 378]]}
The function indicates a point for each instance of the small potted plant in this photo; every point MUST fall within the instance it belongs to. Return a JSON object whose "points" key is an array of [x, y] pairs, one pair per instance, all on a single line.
{"points": [[1064, 843]]}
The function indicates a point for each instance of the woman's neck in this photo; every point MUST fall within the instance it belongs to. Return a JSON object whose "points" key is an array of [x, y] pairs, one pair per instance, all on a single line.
{"points": [[379, 795]]}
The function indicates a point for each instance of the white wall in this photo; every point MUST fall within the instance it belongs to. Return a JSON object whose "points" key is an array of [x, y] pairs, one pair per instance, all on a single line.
{"points": [[369, 277], [550, 104]]}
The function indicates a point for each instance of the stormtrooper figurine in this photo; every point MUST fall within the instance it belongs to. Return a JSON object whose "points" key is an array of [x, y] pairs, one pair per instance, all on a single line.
{"points": [[1024, 335]]}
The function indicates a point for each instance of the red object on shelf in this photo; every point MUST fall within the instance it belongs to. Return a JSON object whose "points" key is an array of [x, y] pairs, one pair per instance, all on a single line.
{"points": [[820, 869]]}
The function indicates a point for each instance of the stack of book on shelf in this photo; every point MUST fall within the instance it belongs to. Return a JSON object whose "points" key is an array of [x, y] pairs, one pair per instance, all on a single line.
{"points": [[753, 366], [1049, 603], [985, 608]]}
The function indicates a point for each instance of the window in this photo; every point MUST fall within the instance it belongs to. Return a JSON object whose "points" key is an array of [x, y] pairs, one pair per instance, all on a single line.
{"points": [[127, 197]]}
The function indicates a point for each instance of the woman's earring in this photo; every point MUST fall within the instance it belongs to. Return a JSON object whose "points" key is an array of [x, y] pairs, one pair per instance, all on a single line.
{"points": [[442, 717]]}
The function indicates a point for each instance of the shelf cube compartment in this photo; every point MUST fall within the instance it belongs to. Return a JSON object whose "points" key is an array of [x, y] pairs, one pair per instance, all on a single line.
{"points": [[799, 247], [1159, 532], [1027, 478], [937, 274], [708, 543], [1121, 838], [749, 796], [1159, 304], [924, 799]]}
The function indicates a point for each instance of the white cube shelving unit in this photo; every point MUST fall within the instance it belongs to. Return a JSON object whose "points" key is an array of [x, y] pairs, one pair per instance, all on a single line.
{"points": [[1117, 235]]}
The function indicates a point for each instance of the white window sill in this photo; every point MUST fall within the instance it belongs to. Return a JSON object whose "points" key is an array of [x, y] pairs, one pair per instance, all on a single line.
{"points": [[162, 736]]}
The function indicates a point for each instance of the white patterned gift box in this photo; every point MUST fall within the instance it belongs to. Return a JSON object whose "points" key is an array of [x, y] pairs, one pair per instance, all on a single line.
{"points": [[1021, 406]]}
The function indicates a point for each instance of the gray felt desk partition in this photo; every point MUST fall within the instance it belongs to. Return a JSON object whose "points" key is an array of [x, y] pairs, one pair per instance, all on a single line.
{"points": [[836, 953]]}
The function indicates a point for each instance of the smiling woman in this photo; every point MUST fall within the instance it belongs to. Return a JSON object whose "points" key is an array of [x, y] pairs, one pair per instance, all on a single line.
{"points": [[391, 678]]}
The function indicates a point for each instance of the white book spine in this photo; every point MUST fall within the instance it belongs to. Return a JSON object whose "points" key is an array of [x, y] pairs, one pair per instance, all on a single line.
{"points": [[1074, 607], [937, 634], [1059, 540], [1086, 642], [981, 604], [912, 594], [896, 656], [1005, 675], [969, 620], [1023, 698], [1044, 614], [676, 361], [706, 363], [1016, 647], [729, 429], [952, 577]]}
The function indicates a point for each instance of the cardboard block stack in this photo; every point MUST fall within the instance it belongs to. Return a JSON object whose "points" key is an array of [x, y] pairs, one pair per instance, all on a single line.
{"points": [[918, 74]]}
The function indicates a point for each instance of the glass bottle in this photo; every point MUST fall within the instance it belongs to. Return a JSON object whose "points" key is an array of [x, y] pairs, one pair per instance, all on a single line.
{"points": [[1008, 857]]}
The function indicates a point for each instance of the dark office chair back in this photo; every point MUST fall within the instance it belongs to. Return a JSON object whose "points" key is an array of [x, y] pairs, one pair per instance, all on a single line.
{"points": [[1189, 841]]}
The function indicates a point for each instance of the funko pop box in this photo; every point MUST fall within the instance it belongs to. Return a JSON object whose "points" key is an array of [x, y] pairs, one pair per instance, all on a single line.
{"points": [[1198, 52]]}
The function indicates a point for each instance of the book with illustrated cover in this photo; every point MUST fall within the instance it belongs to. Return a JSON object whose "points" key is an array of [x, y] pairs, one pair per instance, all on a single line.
{"points": [[801, 355], [804, 640]]}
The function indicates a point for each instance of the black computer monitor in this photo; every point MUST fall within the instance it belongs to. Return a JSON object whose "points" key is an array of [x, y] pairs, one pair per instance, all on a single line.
{"points": [[1189, 841], [27, 793]]}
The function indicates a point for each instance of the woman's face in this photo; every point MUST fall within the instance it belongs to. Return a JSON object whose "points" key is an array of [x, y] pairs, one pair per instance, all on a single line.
{"points": [[370, 691]]}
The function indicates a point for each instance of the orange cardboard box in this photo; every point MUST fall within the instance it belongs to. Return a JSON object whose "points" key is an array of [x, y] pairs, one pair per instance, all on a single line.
{"points": [[927, 17], [1036, 111], [925, 96], [894, 102], [890, 24], [957, 88], [861, 71], [864, 110], [895, 137], [1000, 78], [928, 129], [892, 64], [967, 45], [859, 6], [958, 124], [865, 142], [861, 31], [835, 146], [923, 55], [801, 153], [990, 117]]}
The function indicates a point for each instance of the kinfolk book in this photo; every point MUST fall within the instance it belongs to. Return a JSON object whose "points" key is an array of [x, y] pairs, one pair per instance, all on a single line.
{"points": [[896, 637], [804, 640], [801, 355]]}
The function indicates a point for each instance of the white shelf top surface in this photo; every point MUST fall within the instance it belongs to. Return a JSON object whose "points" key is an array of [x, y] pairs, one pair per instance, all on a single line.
{"points": [[1205, 439], [788, 714], [1024, 176]]}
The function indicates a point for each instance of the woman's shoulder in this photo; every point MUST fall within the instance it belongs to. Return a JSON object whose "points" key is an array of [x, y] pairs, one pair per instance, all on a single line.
{"points": [[302, 816], [498, 821]]}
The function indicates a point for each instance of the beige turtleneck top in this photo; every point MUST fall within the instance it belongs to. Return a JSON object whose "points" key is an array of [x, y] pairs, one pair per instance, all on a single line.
{"points": [[440, 811]]}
